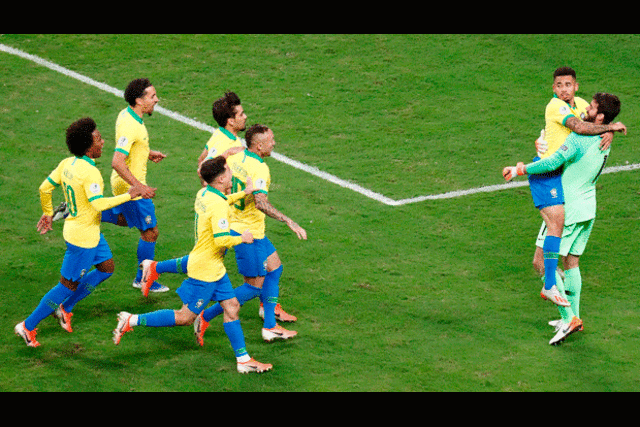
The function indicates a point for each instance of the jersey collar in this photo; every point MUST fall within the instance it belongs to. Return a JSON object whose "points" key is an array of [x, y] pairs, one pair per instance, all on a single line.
{"points": [[216, 191], [248, 153], [136, 117], [229, 134], [87, 159]]}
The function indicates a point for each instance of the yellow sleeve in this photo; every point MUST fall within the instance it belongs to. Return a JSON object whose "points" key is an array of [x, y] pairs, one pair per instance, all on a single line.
{"points": [[232, 198], [103, 203], [46, 188]]}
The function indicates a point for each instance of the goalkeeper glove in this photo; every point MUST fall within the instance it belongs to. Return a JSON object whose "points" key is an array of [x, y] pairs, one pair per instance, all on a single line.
{"points": [[511, 172], [541, 144]]}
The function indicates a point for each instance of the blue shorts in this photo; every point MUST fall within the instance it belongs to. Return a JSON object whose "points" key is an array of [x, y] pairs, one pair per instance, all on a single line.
{"points": [[252, 257], [78, 261], [546, 188], [140, 214], [196, 294]]}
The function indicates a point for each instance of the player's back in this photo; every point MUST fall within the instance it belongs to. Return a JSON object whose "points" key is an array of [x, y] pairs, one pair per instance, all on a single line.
{"points": [[81, 182], [211, 221], [580, 176]]}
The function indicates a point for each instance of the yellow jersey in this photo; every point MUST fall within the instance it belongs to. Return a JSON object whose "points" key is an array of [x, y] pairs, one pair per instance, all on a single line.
{"points": [[83, 190], [132, 140], [244, 213], [555, 116], [221, 140], [212, 234]]}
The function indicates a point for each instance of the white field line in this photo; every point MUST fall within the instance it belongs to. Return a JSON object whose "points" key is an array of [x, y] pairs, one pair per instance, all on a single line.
{"points": [[279, 157]]}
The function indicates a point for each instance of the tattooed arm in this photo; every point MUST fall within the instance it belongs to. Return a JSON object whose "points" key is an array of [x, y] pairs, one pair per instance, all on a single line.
{"points": [[263, 203]]}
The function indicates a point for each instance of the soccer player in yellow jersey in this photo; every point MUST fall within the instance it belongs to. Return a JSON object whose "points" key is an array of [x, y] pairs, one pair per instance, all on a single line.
{"points": [[83, 187], [208, 279], [259, 262], [564, 114], [229, 114], [130, 168]]}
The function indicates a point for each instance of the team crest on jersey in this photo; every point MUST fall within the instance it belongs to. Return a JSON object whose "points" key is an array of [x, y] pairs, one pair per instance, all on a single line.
{"points": [[564, 110], [260, 184], [122, 142], [94, 188], [223, 224]]}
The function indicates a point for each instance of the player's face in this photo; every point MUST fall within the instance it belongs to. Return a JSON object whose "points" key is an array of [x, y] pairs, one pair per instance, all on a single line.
{"points": [[226, 179], [95, 151], [592, 111], [149, 100], [565, 88], [240, 119], [267, 142]]}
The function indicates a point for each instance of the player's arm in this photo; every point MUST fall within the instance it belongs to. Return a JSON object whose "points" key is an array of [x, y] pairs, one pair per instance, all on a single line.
{"points": [[587, 128], [118, 163], [234, 197], [46, 189], [221, 234], [551, 163], [264, 205]]}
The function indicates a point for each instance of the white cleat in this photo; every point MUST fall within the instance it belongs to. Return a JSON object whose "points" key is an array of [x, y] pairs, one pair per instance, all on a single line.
{"points": [[554, 296], [565, 330], [253, 365]]}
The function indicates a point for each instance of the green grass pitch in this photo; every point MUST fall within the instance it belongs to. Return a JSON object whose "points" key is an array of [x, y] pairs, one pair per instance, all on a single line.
{"points": [[438, 295]]}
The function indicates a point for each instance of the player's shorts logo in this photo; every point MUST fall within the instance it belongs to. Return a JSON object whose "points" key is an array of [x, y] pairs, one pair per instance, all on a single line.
{"points": [[554, 193]]}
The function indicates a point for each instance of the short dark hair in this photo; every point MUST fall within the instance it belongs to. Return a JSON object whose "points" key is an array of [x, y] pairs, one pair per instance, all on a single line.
{"points": [[135, 89], [210, 169], [80, 136], [564, 71], [252, 132], [224, 108], [608, 105]]}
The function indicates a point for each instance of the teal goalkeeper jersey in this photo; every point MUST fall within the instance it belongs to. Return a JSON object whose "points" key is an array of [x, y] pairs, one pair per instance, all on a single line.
{"points": [[583, 163]]}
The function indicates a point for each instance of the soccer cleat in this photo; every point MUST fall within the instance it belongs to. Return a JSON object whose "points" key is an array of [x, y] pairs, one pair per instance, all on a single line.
{"points": [[199, 326], [565, 330], [156, 287], [149, 276], [557, 324], [554, 296], [277, 332], [60, 212], [253, 365], [64, 318], [123, 326], [28, 336], [281, 315]]}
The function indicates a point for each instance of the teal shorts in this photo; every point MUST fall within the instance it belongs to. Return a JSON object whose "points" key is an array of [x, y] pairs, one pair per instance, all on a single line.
{"points": [[574, 237]]}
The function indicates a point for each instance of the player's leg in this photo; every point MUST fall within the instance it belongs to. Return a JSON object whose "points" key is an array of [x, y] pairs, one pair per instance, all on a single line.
{"points": [[105, 267], [73, 266], [151, 270]]}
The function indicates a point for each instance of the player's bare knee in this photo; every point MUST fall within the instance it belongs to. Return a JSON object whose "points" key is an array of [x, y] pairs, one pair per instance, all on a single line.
{"points": [[107, 266]]}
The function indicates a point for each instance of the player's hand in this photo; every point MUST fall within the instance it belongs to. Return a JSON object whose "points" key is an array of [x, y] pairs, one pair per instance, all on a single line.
{"points": [[248, 188], [247, 237], [541, 144], [619, 127], [300, 232], [44, 224], [156, 156], [607, 138], [511, 172]]}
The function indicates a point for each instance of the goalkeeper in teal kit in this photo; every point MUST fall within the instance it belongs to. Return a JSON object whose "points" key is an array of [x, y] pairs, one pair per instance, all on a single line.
{"points": [[583, 162]]}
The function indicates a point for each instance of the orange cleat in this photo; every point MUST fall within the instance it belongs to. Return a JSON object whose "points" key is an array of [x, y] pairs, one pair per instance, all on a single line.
{"points": [[281, 315]]}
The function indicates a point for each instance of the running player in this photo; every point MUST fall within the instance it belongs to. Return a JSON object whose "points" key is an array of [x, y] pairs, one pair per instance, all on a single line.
{"points": [[259, 263], [583, 162], [130, 168], [86, 246], [208, 279]]}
